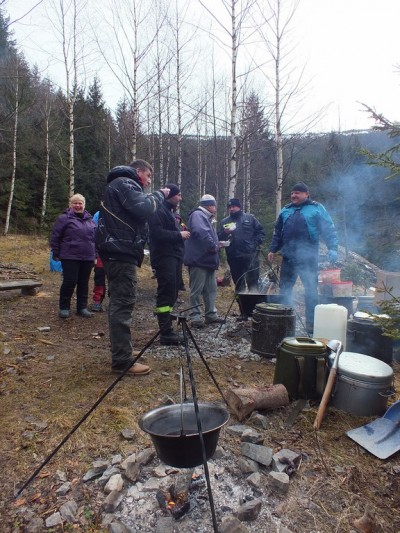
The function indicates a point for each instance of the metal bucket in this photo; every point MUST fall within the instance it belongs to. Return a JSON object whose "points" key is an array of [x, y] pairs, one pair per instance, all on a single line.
{"points": [[174, 432], [270, 325], [363, 336], [363, 385]]}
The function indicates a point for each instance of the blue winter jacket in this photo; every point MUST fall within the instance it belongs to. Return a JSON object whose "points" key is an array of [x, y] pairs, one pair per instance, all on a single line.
{"points": [[201, 249], [73, 237], [299, 229]]}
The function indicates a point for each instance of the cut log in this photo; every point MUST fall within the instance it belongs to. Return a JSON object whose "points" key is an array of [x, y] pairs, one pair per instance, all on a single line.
{"points": [[244, 401]]}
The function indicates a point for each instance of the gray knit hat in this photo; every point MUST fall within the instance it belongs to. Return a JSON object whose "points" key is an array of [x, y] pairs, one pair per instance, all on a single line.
{"points": [[207, 199]]}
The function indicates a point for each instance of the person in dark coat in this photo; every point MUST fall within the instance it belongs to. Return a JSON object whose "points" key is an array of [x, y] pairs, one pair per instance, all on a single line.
{"points": [[299, 227], [99, 287], [166, 250], [121, 235], [73, 243], [245, 234]]}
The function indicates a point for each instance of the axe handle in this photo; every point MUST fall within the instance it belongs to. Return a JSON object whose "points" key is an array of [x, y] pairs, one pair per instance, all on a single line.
{"points": [[327, 394]]}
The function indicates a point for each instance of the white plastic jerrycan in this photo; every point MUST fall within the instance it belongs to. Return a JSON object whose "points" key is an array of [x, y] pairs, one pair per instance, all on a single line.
{"points": [[330, 322]]}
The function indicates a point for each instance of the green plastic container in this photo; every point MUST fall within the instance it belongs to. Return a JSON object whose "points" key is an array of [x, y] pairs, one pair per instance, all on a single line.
{"points": [[300, 367]]}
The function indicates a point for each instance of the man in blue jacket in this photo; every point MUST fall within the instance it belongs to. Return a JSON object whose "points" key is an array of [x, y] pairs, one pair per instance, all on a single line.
{"points": [[298, 230], [121, 235]]}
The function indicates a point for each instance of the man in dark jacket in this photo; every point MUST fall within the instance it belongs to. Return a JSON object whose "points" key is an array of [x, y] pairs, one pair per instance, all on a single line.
{"points": [[120, 238], [297, 232], [245, 235], [202, 258], [166, 249]]}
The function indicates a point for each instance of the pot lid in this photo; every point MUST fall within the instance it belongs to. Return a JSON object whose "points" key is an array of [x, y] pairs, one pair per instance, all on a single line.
{"points": [[271, 308], [302, 345], [363, 367]]}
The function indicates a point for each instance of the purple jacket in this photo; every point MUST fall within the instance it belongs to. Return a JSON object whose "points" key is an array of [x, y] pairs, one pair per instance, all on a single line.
{"points": [[73, 237], [201, 249]]}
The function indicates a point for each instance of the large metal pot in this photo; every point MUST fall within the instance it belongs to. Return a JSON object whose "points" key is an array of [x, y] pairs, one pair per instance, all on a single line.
{"points": [[248, 300], [174, 432]]}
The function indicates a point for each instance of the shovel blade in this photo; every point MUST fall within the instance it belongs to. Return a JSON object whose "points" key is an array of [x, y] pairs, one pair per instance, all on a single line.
{"points": [[380, 437]]}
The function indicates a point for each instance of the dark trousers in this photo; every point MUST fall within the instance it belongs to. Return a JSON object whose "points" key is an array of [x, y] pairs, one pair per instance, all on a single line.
{"points": [[168, 274], [122, 283], [75, 274], [307, 270], [245, 271]]}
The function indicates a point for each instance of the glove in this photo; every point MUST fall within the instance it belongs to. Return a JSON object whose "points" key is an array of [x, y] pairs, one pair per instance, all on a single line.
{"points": [[332, 256]]}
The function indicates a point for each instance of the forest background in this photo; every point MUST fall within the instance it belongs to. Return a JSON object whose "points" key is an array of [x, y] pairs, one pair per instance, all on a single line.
{"points": [[216, 136]]}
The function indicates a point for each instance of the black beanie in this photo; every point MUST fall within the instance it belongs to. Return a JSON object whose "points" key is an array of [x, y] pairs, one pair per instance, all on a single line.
{"points": [[234, 202], [300, 187], [173, 190]]}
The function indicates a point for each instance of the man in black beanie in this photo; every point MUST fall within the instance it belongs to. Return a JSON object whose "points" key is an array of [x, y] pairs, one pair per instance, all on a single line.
{"points": [[298, 230], [166, 249], [245, 234]]}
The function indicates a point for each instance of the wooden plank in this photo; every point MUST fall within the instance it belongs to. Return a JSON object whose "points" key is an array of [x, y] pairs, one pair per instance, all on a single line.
{"points": [[7, 285]]}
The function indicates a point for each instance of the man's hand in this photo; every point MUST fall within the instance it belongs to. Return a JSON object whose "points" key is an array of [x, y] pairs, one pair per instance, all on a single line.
{"points": [[271, 257], [185, 235], [165, 191]]}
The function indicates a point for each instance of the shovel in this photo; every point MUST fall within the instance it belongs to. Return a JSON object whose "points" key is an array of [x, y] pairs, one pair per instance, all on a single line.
{"points": [[382, 436]]}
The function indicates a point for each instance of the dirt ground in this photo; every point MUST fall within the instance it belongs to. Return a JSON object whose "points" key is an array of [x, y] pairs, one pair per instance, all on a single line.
{"points": [[49, 380]]}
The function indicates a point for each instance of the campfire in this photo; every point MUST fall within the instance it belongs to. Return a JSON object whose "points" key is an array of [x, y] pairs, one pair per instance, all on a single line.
{"points": [[181, 496]]}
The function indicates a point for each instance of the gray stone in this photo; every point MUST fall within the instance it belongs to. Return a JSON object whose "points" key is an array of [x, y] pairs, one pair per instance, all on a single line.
{"points": [[231, 524], [54, 520], [36, 525], [152, 484], [279, 481], [247, 466], [68, 510], [237, 429], [259, 420], [134, 493], [114, 483], [128, 434], [118, 527], [116, 460], [254, 480], [250, 435], [289, 457], [160, 471], [130, 459], [218, 454], [61, 475], [64, 489], [144, 457], [112, 502], [111, 471], [90, 475], [249, 511], [99, 466], [132, 471], [261, 454]]}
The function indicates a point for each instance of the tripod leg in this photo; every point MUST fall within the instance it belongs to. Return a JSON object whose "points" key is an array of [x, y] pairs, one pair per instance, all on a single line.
{"points": [[189, 333]]}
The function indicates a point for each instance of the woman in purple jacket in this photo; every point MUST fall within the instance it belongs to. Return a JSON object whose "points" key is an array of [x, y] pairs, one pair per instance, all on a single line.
{"points": [[73, 243]]}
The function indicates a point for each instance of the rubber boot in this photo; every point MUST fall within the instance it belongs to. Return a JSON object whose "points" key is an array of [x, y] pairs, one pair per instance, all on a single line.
{"points": [[167, 336]]}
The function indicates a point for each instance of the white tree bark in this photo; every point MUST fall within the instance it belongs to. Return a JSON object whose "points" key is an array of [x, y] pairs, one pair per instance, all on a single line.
{"points": [[14, 153]]}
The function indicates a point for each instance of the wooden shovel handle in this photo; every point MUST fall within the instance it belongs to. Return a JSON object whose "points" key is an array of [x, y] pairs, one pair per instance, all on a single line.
{"points": [[325, 398]]}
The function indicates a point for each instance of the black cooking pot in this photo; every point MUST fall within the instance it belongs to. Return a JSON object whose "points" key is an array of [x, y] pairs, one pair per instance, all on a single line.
{"points": [[174, 432], [248, 300]]}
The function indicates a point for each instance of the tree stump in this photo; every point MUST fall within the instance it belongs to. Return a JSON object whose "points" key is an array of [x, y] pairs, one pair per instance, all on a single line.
{"points": [[244, 401]]}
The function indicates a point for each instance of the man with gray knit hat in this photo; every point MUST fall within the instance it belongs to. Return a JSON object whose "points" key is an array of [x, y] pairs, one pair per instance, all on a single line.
{"points": [[202, 258]]}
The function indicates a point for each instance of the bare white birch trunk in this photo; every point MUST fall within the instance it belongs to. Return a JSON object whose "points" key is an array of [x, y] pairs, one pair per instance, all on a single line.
{"points": [[14, 167], [233, 162]]}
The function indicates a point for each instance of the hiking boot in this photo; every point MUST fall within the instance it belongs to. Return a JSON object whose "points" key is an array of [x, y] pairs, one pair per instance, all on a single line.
{"points": [[97, 307], [170, 338], [216, 320], [198, 324], [64, 313], [85, 313], [135, 370]]}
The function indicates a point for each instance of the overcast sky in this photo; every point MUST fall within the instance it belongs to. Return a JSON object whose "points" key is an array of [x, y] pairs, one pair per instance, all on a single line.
{"points": [[350, 49]]}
